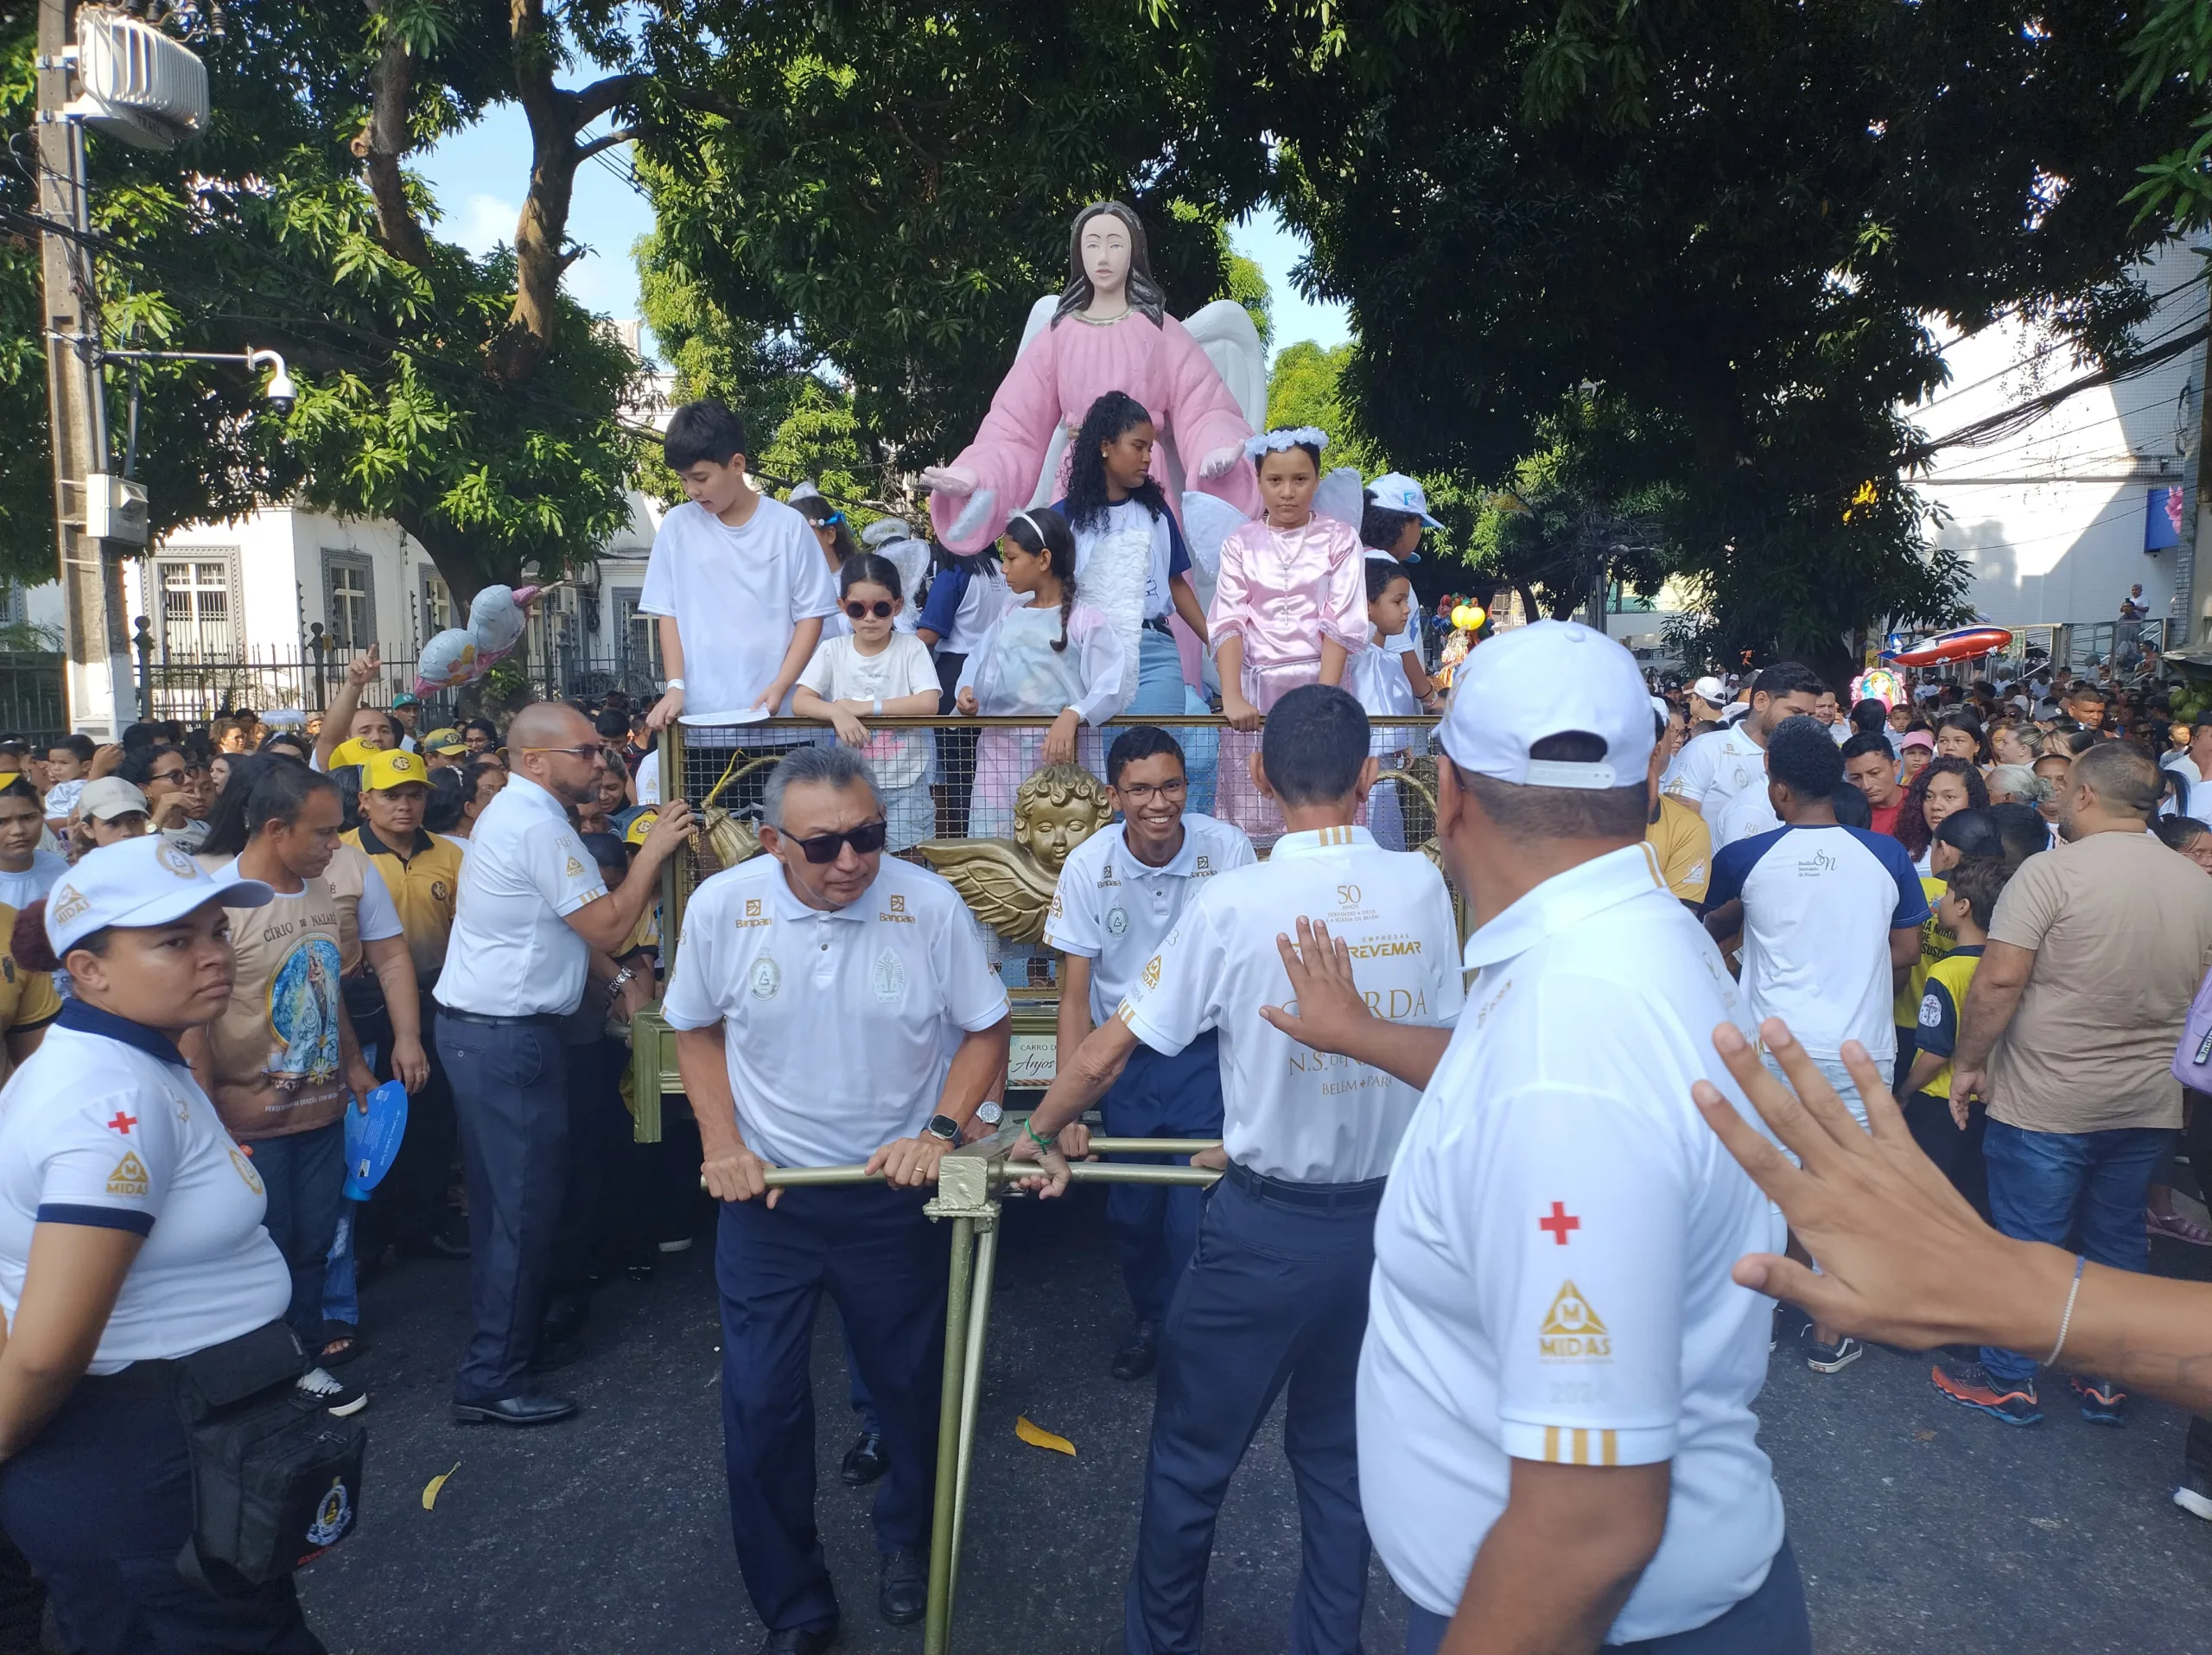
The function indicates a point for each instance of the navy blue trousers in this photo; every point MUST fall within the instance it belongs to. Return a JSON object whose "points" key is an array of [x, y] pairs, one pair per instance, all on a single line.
{"points": [[100, 1501], [304, 1174], [1155, 1226], [1772, 1622], [883, 1263], [511, 1094], [1276, 1296]]}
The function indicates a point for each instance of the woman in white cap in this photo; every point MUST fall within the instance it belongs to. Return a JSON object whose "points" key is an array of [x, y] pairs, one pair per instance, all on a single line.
{"points": [[130, 1237]]}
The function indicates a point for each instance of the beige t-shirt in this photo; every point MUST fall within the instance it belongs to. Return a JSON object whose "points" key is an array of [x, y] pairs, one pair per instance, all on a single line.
{"points": [[275, 1050], [2122, 931]]}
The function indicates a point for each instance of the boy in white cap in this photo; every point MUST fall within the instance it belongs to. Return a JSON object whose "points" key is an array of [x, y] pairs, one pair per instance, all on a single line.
{"points": [[1389, 528], [1556, 1439]]}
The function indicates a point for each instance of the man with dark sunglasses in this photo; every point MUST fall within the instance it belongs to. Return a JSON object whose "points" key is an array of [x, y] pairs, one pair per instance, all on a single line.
{"points": [[831, 1006]]}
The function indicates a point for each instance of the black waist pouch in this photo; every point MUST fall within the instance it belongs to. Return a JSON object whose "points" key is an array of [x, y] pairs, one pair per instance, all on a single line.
{"points": [[276, 1481]]}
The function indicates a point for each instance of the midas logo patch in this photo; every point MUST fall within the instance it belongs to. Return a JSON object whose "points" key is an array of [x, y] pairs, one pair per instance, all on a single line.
{"points": [[1150, 975], [1573, 1332], [129, 1177]]}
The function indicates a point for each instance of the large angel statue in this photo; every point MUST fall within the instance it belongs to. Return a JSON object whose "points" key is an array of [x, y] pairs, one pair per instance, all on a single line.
{"points": [[1205, 385]]}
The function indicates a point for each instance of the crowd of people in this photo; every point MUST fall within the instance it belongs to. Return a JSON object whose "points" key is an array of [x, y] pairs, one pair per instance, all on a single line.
{"points": [[1482, 1246]]}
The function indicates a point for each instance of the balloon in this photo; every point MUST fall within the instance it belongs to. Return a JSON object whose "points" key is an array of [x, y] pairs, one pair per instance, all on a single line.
{"points": [[498, 616], [1876, 684], [1475, 615], [449, 660]]}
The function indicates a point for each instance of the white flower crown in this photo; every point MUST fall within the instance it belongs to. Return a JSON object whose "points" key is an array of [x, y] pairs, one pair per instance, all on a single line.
{"points": [[1286, 437]]}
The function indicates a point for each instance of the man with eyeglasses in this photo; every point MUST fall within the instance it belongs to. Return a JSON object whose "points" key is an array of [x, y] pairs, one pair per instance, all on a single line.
{"points": [[533, 921], [1121, 891], [831, 1006]]}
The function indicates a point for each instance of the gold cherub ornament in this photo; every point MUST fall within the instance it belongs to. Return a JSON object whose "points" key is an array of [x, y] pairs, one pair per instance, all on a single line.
{"points": [[1008, 883]]}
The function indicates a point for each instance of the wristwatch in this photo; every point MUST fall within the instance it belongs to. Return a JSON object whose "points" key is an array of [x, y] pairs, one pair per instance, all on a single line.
{"points": [[990, 1113], [945, 1127]]}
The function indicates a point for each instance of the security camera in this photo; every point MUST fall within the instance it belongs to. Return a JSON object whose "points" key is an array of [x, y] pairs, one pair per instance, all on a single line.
{"points": [[281, 393]]}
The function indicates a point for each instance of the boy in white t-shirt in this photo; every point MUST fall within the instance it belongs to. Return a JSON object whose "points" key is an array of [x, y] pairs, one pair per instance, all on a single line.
{"points": [[1377, 678], [737, 580], [876, 670]]}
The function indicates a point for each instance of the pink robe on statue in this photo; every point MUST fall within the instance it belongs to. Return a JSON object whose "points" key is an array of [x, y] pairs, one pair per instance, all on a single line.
{"points": [[1068, 368], [1282, 591]]}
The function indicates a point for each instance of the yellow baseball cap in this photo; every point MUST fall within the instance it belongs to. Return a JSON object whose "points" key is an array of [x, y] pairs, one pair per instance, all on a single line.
{"points": [[394, 768], [445, 742], [349, 752], [640, 825]]}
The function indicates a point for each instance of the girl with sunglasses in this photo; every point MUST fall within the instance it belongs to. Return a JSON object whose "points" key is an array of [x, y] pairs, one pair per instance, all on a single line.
{"points": [[877, 671]]}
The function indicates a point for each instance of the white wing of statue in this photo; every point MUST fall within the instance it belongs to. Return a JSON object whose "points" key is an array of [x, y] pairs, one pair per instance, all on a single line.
{"points": [[1207, 521], [911, 558], [1224, 332], [1040, 318], [1113, 583], [1343, 496]]}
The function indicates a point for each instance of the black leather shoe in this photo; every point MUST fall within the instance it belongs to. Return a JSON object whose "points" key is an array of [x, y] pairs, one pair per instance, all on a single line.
{"points": [[864, 1461], [799, 1640], [1139, 1352], [529, 1408], [904, 1597]]}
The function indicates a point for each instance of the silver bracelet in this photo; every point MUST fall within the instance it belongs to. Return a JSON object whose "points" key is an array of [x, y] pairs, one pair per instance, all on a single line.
{"points": [[2066, 1321], [879, 708], [673, 684]]}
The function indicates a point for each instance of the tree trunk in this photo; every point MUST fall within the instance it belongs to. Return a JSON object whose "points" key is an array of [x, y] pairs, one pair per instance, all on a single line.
{"points": [[466, 565], [383, 141]]}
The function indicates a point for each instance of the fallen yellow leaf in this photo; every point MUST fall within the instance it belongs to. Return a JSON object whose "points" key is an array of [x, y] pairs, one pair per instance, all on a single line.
{"points": [[430, 1488], [1038, 1437]]}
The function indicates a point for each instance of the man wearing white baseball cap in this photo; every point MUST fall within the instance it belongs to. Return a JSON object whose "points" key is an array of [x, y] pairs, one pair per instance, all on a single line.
{"points": [[1556, 1440]]}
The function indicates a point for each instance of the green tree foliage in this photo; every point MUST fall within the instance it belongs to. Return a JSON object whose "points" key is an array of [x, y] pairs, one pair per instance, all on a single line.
{"points": [[1302, 390], [886, 189], [466, 399], [1734, 217], [2175, 51]]}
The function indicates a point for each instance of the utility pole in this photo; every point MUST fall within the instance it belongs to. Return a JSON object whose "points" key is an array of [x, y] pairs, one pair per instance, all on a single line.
{"points": [[98, 683], [2200, 553]]}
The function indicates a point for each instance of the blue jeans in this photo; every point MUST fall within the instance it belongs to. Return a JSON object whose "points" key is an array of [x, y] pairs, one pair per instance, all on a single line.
{"points": [[1772, 1622], [305, 1176], [2050, 1185], [1155, 1226]]}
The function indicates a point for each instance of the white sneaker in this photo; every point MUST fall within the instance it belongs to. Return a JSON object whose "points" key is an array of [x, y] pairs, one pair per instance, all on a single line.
{"points": [[2195, 1504], [681, 1244], [321, 1384]]}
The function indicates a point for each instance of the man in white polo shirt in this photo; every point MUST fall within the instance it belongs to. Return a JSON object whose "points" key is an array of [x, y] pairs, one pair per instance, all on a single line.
{"points": [[1557, 1448], [1121, 891], [831, 1006], [1722, 773], [532, 920], [1276, 1293]]}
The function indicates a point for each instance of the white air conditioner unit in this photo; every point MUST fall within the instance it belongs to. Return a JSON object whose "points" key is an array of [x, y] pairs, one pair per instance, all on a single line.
{"points": [[136, 83], [114, 509]]}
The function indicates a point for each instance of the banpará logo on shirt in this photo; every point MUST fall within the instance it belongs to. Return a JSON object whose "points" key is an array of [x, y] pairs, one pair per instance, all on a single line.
{"points": [[898, 904], [129, 1177], [753, 915], [1202, 865], [1572, 1330], [766, 978], [1117, 922]]}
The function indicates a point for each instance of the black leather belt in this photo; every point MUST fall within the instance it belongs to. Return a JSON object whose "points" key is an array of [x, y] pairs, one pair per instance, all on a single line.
{"points": [[534, 1020], [1158, 623], [1367, 1193]]}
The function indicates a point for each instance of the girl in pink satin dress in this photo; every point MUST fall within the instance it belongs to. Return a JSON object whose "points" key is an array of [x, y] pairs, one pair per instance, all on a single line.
{"points": [[1289, 607]]}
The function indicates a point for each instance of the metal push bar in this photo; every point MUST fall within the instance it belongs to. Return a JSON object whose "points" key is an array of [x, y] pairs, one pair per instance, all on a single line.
{"points": [[966, 1179]]}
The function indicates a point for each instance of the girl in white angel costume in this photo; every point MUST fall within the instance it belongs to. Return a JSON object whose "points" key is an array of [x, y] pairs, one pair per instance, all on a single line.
{"points": [[1051, 656]]}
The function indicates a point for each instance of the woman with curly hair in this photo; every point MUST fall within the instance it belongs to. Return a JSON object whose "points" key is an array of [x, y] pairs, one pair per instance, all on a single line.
{"points": [[1944, 785], [1111, 491]]}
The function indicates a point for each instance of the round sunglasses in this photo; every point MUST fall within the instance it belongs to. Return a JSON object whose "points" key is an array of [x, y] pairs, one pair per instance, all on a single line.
{"points": [[859, 611]]}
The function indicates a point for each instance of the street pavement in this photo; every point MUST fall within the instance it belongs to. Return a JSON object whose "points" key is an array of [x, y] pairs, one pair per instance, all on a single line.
{"points": [[1919, 1526]]}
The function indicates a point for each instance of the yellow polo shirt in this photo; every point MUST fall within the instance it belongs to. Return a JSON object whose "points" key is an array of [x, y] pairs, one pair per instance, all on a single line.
{"points": [[424, 880]]}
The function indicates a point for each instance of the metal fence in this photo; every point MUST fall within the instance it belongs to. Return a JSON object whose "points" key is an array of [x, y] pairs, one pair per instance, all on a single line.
{"points": [[33, 701]]}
